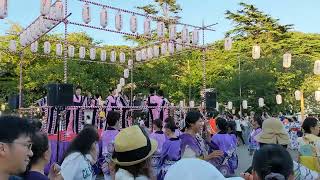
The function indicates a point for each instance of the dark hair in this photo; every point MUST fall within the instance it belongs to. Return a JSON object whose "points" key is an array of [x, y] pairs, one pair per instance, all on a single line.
{"points": [[12, 127], [258, 119], [112, 118], [40, 144], [270, 159], [170, 124], [160, 93], [83, 141], [78, 87], [111, 90], [308, 123], [222, 124], [37, 124], [158, 123], [97, 95], [143, 168], [152, 90], [192, 117]]}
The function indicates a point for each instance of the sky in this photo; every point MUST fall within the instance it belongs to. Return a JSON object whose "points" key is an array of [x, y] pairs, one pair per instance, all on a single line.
{"points": [[305, 15]]}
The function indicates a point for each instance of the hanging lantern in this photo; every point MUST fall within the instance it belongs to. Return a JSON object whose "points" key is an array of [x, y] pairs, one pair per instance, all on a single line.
{"points": [[317, 67], [181, 104], [28, 36], [138, 56], [92, 53], [185, 34], [229, 105], [103, 55], [122, 82], [113, 56], [191, 104], [86, 14], [22, 39], [42, 26], [82, 52], [46, 47], [261, 102], [45, 7], [286, 60], [36, 30], [34, 47], [122, 57], [118, 21], [217, 106], [245, 104], [144, 54], [146, 27], [297, 95], [133, 24], [119, 87], [179, 45], [59, 10], [195, 37], [71, 51], [256, 52], [317, 95], [156, 51], [12, 46], [161, 29], [59, 49], [150, 52], [164, 48], [171, 47], [228, 44], [126, 73], [52, 15], [279, 99], [130, 63], [103, 17], [172, 32]]}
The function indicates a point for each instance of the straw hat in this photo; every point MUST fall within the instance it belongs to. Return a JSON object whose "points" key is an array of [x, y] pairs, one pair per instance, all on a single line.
{"points": [[273, 132], [132, 146]]}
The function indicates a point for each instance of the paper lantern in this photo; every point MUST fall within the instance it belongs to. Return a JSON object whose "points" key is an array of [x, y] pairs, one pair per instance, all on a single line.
{"points": [[86, 14], [46, 47], [126, 73], [256, 52], [317, 67], [245, 104], [297, 95], [103, 17], [122, 82], [286, 60], [228, 44], [191, 104], [172, 32], [59, 10], [229, 105], [103, 55], [52, 15], [133, 24], [122, 57], [156, 51], [23, 40], [71, 51], [185, 34], [144, 54], [195, 37], [179, 45], [161, 29], [130, 63], [171, 47], [261, 102], [317, 95], [150, 52], [181, 104], [42, 26], [164, 48], [119, 87], [217, 106], [34, 47], [12, 46], [147, 27], [59, 49], [92, 53], [113, 56], [118, 21], [82, 52], [45, 7], [279, 99], [138, 55]]}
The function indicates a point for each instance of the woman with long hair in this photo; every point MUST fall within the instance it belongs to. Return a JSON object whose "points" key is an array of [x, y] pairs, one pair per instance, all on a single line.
{"points": [[257, 125]]}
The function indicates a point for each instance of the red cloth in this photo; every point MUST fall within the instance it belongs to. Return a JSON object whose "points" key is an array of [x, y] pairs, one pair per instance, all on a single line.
{"points": [[213, 126], [67, 138]]}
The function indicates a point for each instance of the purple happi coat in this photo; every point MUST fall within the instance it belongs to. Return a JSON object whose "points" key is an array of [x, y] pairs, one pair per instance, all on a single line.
{"points": [[253, 144], [111, 101], [196, 144], [164, 110], [154, 112], [108, 137], [160, 137]]}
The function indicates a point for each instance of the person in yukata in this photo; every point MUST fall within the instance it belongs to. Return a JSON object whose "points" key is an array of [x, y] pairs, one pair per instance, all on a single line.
{"points": [[111, 100], [122, 101], [164, 111], [154, 101]]}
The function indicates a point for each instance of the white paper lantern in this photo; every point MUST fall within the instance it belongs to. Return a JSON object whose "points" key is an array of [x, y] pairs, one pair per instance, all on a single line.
{"points": [[317, 67], [118, 21], [86, 14], [45, 7], [12, 46], [133, 24], [59, 10], [46, 47], [317, 95], [261, 102], [217, 106], [228, 44], [103, 17], [181, 104], [113, 56], [171, 47], [161, 29], [156, 51], [245, 104], [147, 26], [297, 95], [150, 52], [279, 99], [256, 52], [82, 52], [164, 48], [52, 15], [3, 9], [59, 49], [92, 53], [103, 55], [126, 73], [130, 63], [172, 32], [191, 104], [71, 51], [122, 57], [138, 56], [195, 37], [119, 88], [144, 54], [34, 47], [29, 36], [22, 39], [185, 34], [122, 82], [179, 45], [229, 105], [286, 60]]}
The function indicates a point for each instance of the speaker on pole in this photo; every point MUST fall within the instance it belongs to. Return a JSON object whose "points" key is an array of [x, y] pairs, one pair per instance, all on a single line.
{"points": [[60, 94], [211, 98]]}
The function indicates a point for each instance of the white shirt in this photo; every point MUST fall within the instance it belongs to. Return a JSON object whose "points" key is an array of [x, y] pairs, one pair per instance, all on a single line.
{"points": [[238, 127]]}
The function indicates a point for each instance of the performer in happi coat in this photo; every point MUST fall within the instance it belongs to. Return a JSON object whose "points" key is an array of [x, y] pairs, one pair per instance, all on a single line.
{"points": [[92, 113], [171, 149], [122, 101], [257, 125], [111, 100], [164, 110], [154, 101]]}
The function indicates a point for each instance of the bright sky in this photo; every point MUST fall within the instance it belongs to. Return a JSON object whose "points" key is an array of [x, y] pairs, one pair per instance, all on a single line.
{"points": [[305, 15]]}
